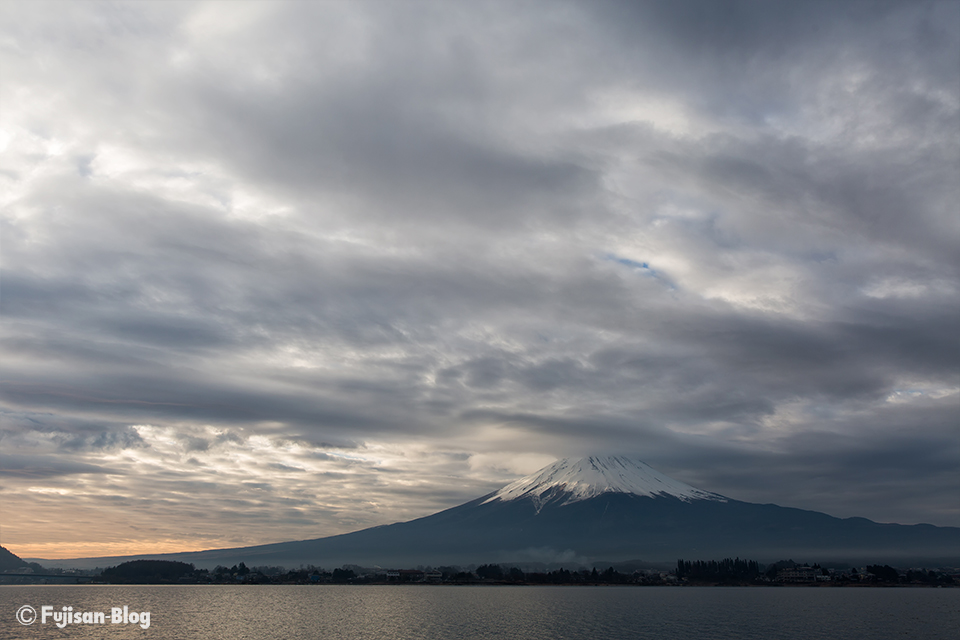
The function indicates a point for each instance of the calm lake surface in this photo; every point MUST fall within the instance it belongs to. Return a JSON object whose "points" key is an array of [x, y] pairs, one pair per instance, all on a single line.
{"points": [[273, 612]]}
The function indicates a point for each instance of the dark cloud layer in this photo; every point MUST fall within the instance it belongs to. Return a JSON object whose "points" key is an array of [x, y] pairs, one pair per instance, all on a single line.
{"points": [[317, 266]]}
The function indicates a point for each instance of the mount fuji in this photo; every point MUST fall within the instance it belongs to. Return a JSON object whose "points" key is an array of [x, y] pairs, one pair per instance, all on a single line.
{"points": [[600, 508]]}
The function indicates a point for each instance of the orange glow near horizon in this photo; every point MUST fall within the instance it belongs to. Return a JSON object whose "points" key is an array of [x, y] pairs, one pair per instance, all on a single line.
{"points": [[60, 551]]}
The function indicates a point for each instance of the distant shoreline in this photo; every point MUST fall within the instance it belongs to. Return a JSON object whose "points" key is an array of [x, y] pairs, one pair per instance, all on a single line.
{"points": [[822, 585]]}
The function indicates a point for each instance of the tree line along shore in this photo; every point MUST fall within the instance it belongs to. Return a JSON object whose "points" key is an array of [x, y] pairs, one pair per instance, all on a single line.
{"points": [[729, 571]]}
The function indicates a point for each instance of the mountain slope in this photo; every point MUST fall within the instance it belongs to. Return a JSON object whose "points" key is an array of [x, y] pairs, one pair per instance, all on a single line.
{"points": [[610, 508], [9, 561]]}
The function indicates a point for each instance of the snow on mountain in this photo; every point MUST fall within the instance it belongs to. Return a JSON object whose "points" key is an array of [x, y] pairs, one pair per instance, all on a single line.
{"points": [[575, 479]]}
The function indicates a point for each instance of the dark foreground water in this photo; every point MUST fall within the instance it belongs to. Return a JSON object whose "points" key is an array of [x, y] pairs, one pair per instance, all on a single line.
{"points": [[454, 612]]}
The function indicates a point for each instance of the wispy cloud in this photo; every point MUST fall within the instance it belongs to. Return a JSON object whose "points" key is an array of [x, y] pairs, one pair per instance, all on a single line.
{"points": [[316, 266]]}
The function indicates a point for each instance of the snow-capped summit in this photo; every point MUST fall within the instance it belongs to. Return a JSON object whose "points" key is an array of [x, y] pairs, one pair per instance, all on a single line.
{"points": [[574, 479]]}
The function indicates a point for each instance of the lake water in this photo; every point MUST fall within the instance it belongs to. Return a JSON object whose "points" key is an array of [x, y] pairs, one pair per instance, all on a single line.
{"points": [[273, 612]]}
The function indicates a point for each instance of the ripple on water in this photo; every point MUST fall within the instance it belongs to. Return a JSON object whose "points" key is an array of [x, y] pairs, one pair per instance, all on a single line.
{"points": [[483, 612]]}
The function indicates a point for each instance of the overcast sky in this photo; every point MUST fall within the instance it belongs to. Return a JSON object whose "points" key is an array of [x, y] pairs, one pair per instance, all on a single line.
{"points": [[275, 271]]}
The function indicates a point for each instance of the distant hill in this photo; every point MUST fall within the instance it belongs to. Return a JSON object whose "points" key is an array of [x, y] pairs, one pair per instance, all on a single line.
{"points": [[579, 511], [11, 562]]}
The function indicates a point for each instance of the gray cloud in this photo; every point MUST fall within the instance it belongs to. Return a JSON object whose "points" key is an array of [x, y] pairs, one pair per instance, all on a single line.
{"points": [[42, 467], [408, 253]]}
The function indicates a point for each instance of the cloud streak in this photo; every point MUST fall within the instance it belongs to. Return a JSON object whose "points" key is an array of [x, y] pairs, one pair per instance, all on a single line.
{"points": [[311, 267]]}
